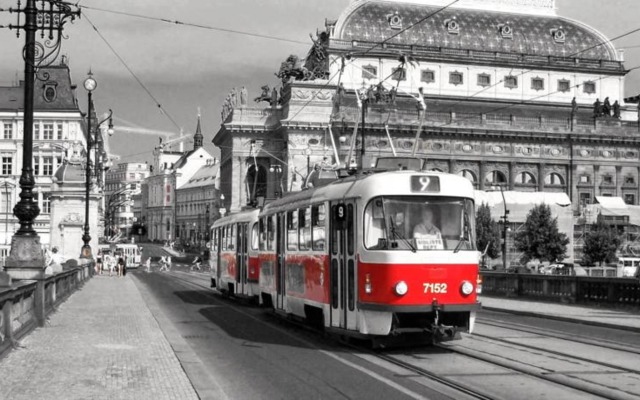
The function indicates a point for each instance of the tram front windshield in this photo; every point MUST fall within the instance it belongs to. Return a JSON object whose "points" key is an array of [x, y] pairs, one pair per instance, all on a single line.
{"points": [[419, 223]]}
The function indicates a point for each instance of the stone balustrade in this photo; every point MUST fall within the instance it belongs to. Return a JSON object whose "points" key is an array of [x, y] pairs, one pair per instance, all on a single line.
{"points": [[565, 289], [25, 304]]}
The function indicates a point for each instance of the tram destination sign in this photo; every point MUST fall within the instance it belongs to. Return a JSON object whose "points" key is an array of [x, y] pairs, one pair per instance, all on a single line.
{"points": [[425, 184]]}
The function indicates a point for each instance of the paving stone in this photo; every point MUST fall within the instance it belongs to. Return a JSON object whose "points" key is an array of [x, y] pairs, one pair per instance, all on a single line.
{"points": [[102, 343]]}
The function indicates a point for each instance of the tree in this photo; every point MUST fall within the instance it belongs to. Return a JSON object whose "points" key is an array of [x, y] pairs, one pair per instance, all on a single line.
{"points": [[487, 232], [539, 237], [601, 243]]}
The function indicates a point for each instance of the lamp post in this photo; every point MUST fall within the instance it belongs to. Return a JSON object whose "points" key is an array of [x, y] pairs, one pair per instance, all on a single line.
{"points": [[505, 228], [277, 170], [90, 85], [207, 214], [222, 209]]}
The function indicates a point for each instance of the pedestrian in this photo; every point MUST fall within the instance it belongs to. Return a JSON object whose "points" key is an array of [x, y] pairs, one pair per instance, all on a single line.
{"points": [[98, 266], [56, 261], [148, 264], [163, 263], [196, 264], [109, 261], [120, 266], [168, 263]]}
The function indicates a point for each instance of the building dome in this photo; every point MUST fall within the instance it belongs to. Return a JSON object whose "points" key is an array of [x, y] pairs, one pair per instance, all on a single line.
{"points": [[471, 29], [70, 173]]}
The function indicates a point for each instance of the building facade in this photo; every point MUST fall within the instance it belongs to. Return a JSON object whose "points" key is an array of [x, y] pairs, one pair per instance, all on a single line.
{"points": [[198, 205], [122, 185], [58, 126], [171, 171], [506, 93]]}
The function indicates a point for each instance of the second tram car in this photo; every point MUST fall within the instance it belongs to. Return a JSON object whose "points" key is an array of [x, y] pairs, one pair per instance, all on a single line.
{"points": [[370, 255]]}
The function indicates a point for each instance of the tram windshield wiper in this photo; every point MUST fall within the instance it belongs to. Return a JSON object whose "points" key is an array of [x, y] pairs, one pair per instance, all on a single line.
{"points": [[395, 234], [465, 237]]}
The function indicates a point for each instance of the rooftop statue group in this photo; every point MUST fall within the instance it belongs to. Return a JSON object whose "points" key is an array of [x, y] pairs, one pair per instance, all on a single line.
{"points": [[606, 109]]}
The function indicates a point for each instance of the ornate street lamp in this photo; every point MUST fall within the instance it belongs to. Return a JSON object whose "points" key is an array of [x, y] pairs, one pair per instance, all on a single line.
{"points": [[90, 85]]}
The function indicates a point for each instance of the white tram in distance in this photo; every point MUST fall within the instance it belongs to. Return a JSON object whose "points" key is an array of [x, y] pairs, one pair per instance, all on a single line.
{"points": [[371, 255]]}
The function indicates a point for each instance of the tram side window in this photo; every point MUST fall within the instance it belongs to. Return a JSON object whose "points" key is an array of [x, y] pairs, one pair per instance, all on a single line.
{"points": [[255, 235], [318, 223], [223, 238], [232, 237], [304, 219], [271, 237], [262, 238], [292, 230], [214, 243]]}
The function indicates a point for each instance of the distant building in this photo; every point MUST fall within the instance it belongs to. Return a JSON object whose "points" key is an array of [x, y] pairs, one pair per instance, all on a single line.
{"points": [[171, 170], [198, 204], [58, 124], [121, 185]]}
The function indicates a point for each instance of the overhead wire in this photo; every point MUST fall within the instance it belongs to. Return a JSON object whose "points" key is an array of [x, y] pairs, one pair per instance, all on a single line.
{"points": [[133, 74], [194, 25]]}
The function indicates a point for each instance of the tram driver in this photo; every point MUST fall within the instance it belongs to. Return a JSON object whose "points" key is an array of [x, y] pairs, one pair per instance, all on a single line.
{"points": [[426, 233]]}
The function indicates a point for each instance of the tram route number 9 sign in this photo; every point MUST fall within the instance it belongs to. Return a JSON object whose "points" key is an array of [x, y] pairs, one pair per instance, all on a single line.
{"points": [[425, 184], [340, 215]]}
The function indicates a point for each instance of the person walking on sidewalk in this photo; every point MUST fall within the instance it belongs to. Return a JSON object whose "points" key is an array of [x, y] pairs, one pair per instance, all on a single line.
{"points": [[148, 264], [168, 263], [120, 266], [99, 263]]}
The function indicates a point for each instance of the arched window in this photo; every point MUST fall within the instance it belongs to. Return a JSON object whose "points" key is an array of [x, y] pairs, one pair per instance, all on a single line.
{"points": [[495, 178], [465, 173], [525, 178], [554, 179], [256, 182]]}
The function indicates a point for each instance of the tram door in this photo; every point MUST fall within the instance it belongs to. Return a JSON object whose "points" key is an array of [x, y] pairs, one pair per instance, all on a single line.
{"points": [[242, 259], [342, 274], [280, 261]]}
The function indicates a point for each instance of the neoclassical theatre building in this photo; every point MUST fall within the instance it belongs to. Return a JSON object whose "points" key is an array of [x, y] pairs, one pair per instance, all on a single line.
{"points": [[499, 91]]}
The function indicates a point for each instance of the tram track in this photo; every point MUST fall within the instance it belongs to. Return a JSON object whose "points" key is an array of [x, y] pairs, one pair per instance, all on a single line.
{"points": [[468, 392], [548, 333], [463, 389]]}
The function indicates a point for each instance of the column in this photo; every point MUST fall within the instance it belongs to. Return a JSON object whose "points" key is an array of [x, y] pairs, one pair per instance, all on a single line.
{"points": [[512, 175], [541, 177], [619, 181], [637, 181], [481, 175], [596, 169], [452, 166]]}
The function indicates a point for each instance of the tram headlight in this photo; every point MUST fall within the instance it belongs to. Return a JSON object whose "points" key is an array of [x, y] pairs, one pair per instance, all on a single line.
{"points": [[401, 288], [466, 288]]}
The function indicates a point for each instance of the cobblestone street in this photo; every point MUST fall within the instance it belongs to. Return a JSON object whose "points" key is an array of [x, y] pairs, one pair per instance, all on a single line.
{"points": [[102, 343]]}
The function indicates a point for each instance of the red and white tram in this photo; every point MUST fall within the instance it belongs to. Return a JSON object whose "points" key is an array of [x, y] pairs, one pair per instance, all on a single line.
{"points": [[368, 255], [234, 267]]}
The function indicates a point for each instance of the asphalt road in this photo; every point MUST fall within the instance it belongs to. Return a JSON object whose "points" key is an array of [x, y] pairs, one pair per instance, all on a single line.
{"points": [[230, 350], [245, 353]]}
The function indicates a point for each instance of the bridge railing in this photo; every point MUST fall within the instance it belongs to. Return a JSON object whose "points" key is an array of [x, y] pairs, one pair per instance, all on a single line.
{"points": [[565, 289]]}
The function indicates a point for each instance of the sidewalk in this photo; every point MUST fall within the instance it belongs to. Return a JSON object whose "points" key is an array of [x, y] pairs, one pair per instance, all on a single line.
{"points": [[102, 343], [584, 314]]}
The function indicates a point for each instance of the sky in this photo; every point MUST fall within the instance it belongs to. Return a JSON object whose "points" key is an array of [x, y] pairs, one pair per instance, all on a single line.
{"points": [[189, 69]]}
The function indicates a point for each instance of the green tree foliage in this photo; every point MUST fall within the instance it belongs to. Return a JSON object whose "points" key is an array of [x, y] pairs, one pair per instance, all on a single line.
{"points": [[601, 243], [539, 238], [487, 232]]}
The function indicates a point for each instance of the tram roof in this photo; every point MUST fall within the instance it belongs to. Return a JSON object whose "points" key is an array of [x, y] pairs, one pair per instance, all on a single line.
{"points": [[242, 216], [371, 185]]}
